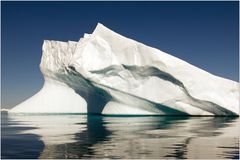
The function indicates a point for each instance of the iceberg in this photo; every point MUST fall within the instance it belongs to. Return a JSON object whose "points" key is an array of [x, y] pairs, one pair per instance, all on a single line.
{"points": [[107, 73]]}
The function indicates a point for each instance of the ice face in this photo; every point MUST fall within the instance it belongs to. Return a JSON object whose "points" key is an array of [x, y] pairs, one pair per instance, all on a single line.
{"points": [[110, 74]]}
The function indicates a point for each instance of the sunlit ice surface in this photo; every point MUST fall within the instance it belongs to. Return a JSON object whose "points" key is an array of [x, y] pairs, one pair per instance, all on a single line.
{"points": [[107, 73], [95, 136]]}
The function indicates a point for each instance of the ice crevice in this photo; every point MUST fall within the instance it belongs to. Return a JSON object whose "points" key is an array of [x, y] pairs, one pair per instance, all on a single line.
{"points": [[141, 72]]}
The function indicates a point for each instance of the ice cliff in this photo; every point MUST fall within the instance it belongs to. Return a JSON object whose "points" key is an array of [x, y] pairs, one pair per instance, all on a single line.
{"points": [[107, 73]]}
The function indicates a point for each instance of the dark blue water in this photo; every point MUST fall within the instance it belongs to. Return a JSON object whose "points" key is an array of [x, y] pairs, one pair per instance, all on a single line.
{"points": [[82, 136]]}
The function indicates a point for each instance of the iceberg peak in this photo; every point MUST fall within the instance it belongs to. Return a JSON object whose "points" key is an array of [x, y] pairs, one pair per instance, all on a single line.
{"points": [[101, 29]]}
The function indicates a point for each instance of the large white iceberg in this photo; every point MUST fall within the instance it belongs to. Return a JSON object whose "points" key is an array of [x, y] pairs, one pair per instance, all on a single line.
{"points": [[106, 73]]}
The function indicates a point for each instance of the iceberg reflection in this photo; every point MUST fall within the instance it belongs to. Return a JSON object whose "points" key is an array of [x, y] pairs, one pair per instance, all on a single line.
{"points": [[82, 136]]}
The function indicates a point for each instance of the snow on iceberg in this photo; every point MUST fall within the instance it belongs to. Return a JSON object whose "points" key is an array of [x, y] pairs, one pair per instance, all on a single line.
{"points": [[106, 73]]}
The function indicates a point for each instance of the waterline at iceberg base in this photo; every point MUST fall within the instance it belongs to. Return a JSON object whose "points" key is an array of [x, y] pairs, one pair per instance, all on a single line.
{"points": [[106, 73]]}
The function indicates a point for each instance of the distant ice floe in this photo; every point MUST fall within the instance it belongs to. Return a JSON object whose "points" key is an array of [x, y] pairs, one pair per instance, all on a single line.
{"points": [[4, 110]]}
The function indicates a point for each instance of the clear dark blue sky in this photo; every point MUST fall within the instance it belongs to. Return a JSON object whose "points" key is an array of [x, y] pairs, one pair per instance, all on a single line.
{"points": [[204, 34]]}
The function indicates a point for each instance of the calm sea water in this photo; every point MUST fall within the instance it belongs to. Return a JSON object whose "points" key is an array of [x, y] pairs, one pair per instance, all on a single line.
{"points": [[82, 136]]}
